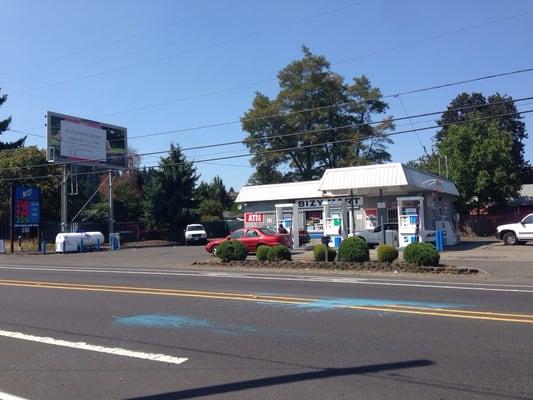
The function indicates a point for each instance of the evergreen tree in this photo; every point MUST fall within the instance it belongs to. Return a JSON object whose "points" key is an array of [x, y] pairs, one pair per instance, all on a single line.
{"points": [[4, 126], [169, 195]]}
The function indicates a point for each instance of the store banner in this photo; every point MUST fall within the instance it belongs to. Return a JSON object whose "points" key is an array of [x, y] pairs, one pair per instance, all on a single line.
{"points": [[333, 202], [252, 217]]}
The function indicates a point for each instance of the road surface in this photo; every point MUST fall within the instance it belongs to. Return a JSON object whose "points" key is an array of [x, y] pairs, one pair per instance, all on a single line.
{"points": [[119, 332]]}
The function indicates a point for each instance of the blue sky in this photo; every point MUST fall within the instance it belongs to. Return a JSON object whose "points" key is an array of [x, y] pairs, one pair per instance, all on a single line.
{"points": [[164, 65]]}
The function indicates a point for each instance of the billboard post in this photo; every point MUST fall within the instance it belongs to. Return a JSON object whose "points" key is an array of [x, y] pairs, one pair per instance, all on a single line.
{"points": [[110, 183]]}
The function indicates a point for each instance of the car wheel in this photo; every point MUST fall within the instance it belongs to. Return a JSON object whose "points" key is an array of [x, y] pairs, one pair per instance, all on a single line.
{"points": [[510, 238], [214, 250]]}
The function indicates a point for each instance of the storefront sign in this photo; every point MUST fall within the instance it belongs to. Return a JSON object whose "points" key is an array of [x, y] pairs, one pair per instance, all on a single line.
{"points": [[333, 202], [382, 204], [251, 217]]}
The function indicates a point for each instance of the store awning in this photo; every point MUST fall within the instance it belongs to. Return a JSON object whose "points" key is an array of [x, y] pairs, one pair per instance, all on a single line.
{"points": [[280, 192], [394, 178]]}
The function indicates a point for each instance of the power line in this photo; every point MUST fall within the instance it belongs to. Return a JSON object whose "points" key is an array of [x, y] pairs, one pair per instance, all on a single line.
{"points": [[244, 141], [392, 95], [412, 125], [353, 140]]}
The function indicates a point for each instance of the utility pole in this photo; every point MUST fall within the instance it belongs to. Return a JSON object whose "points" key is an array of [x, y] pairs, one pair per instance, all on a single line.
{"points": [[64, 199], [352, 201], [110, 186], [12, 219], [381, 211]]}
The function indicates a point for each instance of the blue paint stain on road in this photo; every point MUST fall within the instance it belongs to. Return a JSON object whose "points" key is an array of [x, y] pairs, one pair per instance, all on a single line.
{"points": [[165, 321], [328, 304]]}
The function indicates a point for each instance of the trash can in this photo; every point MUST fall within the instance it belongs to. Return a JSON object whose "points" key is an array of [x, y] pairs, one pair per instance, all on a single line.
{"points": [[337, 241]]}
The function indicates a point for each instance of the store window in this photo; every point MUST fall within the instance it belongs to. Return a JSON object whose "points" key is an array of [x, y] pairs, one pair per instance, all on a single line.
{"points": [[392, 215], [313, 220]]}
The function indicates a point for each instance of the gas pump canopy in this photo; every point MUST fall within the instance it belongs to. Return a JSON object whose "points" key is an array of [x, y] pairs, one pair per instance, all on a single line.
{"points": [[392, 179]]}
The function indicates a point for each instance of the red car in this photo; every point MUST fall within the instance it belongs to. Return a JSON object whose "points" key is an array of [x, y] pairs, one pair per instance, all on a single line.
{"points": [[252, 238]]}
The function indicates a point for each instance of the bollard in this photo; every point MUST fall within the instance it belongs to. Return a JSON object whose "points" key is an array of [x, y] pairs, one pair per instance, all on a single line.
{"points": [[439, 240], [97, 245], [43, 247], [81, 246]]}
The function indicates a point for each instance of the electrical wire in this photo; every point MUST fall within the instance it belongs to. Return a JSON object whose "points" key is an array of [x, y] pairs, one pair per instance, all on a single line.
{"points": [[353, 140]]}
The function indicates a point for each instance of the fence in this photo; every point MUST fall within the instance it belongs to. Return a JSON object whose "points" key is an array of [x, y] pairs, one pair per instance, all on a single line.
{"points": [[485, 225]]}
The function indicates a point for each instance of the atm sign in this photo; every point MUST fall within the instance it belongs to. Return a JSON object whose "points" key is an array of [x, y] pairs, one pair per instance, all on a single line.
{"points": [[250, 217]]}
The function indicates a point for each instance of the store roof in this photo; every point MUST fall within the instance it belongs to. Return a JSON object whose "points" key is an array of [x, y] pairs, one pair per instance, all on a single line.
{"points": [[280, 191], [391, 178]]}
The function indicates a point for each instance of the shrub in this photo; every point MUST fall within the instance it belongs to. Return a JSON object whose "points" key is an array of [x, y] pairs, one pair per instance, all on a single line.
{"points": [[319, 253], [421, 254], [354, 249], [387, 253], [232, 250], [262, 253], [278, 253]]}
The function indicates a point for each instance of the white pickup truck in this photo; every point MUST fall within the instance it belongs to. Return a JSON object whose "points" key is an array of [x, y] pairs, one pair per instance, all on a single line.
{"points": [[518, 233], [373, 237]]}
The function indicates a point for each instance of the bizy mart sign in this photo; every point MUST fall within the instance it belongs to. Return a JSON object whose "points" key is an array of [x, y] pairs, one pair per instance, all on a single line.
{"points": [[334, 202]]}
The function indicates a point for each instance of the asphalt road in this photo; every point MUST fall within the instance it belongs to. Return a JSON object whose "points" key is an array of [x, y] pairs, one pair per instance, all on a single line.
{"points": [[75, 329]]}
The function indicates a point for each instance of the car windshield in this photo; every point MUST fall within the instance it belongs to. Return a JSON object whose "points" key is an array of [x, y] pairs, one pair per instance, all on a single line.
{"points": [[268, 231], [195, 228]]}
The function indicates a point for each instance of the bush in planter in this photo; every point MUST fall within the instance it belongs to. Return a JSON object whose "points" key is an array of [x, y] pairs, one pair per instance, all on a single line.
{"points": [[354, 249], [230, 250], [387, 253], [421, 254], [319, 253], [262, 253], [279, 253]]}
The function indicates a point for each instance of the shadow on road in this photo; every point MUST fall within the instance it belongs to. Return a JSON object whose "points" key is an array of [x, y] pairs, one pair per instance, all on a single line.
{"points": [[284, 379]]}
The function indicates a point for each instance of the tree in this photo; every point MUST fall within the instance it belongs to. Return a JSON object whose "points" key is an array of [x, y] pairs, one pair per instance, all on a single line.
{"points": [[480, 162], [4, 126], [308, 89], [12, 163], [465, 105], [210, 210], [169, 196]]}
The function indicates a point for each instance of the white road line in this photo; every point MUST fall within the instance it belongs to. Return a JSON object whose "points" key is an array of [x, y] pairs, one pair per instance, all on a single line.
{"points": [[7, 396], [304, 278], [89, 347]]}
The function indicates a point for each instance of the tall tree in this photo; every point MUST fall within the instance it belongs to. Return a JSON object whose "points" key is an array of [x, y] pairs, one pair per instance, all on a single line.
{"points": [[308, 89], [504, 111], [4, 126], [213, 199], [480, 162], [169, 196]]}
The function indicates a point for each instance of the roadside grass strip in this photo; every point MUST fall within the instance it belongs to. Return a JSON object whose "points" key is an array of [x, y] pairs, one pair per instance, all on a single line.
{"points": [[95, 348], [390, 306]]}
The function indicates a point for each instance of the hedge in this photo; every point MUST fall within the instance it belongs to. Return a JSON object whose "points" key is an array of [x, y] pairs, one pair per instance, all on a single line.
{"points": [[230, 250], [319, 253], [262, 253], [354, 249], [387, 253], [421, 254], [279, 253]]}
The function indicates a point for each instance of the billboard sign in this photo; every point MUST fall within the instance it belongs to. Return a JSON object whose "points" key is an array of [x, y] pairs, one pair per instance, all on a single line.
{"points": [[27, 208], [73, 139]]}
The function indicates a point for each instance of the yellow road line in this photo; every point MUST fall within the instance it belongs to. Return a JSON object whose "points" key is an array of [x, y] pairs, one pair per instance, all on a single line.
{"points": [[440, 312]]}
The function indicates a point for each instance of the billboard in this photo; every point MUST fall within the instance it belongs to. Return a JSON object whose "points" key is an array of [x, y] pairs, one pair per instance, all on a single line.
{"points": [[73, 139], [27, 206]]}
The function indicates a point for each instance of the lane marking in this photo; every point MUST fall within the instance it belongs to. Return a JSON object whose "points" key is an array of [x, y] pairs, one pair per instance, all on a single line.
{"points": [[455, 313], [7, 396], [89, 347], [356, 281]]}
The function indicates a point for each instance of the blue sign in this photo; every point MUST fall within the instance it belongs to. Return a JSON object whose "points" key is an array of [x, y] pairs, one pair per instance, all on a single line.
{"points": [[27, 207]]}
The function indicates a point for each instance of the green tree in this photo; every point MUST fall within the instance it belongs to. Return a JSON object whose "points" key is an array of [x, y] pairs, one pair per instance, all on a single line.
{"points": [[12, 172], [210, 210], [309, 84], [215, 190], [480, 162], [169, 196], [4, 126], [465, 105]]}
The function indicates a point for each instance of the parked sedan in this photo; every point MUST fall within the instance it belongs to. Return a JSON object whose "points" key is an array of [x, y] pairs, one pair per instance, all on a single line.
{"points": [[252, 238]]}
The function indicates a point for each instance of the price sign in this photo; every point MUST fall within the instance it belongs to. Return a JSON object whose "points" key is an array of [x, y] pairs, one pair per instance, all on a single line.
{"points": [[27, 206]]}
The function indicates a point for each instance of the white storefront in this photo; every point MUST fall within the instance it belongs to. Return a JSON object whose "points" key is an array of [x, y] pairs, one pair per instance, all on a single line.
{"points": [[352, 199]]}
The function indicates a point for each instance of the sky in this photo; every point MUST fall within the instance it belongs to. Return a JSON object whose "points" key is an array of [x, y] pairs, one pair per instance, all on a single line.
{"points": [[164, 65]]}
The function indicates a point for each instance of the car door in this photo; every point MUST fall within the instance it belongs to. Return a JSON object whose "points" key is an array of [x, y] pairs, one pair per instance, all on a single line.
{"points": [[251, 240], [526, 231]]}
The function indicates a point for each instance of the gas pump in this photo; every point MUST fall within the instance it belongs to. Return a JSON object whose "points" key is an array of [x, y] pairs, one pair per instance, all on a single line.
{"points": [[410, 219]]}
